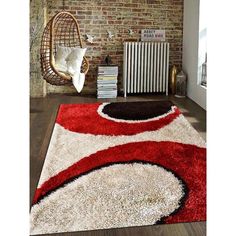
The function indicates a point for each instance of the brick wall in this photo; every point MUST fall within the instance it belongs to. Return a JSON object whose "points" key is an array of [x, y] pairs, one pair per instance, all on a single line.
{"points": [[98, 16]]}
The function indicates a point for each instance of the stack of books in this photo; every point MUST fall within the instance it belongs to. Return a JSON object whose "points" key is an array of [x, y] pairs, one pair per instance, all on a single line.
{"points": [[107, 81]]}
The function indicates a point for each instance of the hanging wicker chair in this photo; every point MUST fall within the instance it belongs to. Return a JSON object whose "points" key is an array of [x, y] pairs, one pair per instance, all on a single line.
{"points": [[63, 30]]}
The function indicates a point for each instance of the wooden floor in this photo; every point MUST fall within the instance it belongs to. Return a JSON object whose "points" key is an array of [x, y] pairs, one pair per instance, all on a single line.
{"points": [[42, 116]]}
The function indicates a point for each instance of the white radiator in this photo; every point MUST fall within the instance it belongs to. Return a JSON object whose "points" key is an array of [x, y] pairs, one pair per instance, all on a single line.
{"points": [[146, 67]]}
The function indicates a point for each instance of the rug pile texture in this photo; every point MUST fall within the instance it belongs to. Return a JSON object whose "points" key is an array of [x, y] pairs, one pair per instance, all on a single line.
{"points": [[113, 165]]}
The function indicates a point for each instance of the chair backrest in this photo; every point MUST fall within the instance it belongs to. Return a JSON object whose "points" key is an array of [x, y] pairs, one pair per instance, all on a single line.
{"points": [[65, 31]]}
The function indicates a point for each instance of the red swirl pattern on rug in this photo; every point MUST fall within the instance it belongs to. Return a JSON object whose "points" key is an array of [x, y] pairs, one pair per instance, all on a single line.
{"points": [[84, 118], [186, 161]]}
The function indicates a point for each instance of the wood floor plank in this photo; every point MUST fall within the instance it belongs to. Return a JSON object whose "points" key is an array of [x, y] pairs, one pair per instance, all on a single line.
{"points": [[43, 112]]}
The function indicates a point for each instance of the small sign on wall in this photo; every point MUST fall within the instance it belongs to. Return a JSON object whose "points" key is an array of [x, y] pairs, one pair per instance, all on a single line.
{"points": [[152, 35]]}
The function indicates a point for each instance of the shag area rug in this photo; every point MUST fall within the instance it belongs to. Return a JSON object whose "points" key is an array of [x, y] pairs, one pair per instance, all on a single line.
{"points": [[113, 165]]}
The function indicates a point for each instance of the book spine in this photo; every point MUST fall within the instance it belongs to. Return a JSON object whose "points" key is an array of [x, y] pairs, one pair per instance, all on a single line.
{"points": [[107, 82]]}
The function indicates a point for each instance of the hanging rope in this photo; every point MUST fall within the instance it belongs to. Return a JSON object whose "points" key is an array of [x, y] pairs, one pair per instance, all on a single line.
{"points": [[63, 5]]}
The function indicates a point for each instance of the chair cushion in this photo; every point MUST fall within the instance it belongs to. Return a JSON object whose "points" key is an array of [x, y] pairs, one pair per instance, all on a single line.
{"points": [[60, 58], [74, 60]]}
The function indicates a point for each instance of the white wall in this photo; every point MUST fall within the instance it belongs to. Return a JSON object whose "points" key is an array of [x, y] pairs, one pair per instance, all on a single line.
{"points": [[191, 52]]}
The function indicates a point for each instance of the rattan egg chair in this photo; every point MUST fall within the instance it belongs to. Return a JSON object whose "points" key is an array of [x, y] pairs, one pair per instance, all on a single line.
{"points": [[63, 30]]}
